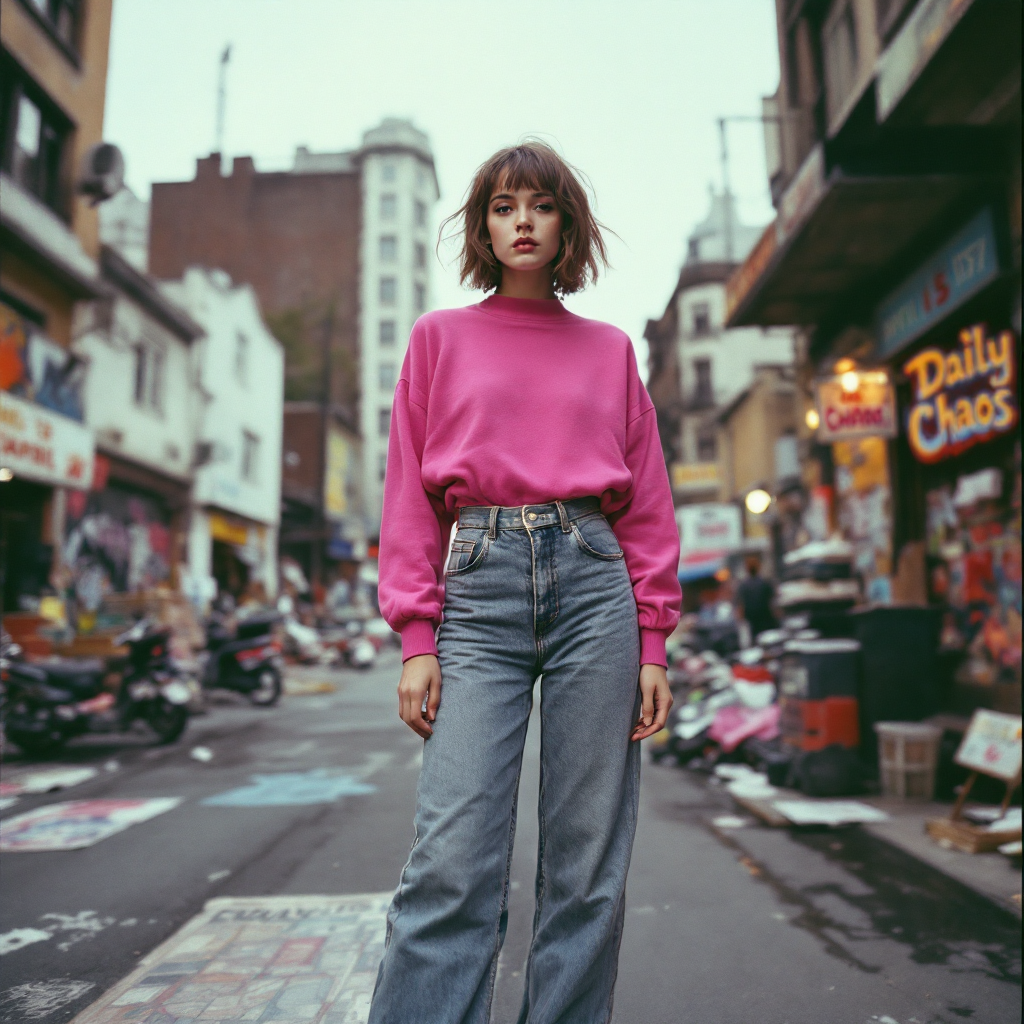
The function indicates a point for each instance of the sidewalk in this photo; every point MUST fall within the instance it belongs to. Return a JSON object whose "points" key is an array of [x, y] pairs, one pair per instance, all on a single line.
{"points": [[992, 875]]}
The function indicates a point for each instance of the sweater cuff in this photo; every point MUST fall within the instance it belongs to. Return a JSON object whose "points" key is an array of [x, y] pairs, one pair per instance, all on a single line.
{"points": [[652, 647], [418, 638]]}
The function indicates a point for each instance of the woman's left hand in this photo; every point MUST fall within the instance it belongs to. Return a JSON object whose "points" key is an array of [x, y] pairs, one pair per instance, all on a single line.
{"points": [[656, 700]]}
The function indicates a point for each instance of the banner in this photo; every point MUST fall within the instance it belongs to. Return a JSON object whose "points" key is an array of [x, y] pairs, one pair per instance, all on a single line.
{"points": [[709, 527], [43, 446]]}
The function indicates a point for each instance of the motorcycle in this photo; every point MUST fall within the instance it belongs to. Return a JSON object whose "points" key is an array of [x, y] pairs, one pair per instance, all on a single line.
{"points": [[246, 659], [49, 702]]}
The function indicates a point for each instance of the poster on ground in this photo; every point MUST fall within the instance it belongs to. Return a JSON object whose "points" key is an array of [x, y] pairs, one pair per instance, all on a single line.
{"points": [[75, 824]]}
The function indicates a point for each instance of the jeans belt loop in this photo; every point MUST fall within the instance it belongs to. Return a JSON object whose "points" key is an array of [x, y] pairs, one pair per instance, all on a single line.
{"points": [[492, 525], [566, 528]]}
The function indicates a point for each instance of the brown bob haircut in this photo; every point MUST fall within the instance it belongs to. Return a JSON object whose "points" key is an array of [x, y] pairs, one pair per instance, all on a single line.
{"points": [[535, 165]]}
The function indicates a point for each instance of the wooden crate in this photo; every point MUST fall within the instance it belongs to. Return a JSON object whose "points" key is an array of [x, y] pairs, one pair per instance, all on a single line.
{"points": [[963, 835]]}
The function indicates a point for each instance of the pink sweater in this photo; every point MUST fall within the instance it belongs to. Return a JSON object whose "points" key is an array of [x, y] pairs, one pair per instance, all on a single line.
{"points": [[520, 402]]}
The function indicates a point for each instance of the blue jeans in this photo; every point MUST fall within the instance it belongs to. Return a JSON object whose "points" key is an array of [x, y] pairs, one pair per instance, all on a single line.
{"points": [[541, 590]]}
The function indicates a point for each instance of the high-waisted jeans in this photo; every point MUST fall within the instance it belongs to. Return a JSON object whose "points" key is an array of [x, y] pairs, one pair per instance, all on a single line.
{"points": [[541, 590]]}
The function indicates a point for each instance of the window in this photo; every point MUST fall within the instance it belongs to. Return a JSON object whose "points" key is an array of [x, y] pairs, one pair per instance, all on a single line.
{"points": [[62, 17], [388, 172], [420, 256], [420, 291], [840, 58], [707, 445], [388, 248], [33, 138], [420, 213], [421, 175], [388, 207], [242, 358], [386, 376], [701, 318], [149, 377], [703, 392], [387, 333], [388, 291], [250, 456], [693, 249], [382, 464], [384, 422]]}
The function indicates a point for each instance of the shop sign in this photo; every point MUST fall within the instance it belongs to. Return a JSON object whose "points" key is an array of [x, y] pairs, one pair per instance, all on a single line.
{"points": [[992, 745], [915, 44], [44, 446], [336, 477], [962, 397], [228, 530], [802, 196], [749, 273], [869, 411], [709, 526], [962, 267], [694, 476]]}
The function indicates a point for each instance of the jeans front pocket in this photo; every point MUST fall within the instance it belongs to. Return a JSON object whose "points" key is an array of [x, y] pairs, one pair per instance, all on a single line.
{"points": [[468, 550], [595, 537]]}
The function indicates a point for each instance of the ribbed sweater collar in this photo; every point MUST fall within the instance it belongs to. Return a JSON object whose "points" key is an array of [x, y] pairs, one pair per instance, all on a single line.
{"points": [[535, 311]]}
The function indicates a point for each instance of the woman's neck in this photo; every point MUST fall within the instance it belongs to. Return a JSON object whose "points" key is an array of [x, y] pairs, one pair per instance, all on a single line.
{"points": [[526, 284]]}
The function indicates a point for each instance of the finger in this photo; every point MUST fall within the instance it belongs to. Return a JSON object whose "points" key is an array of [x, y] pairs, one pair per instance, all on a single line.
{"points": [[643, 731], [664, 702], [433, 699], [647, 705]]}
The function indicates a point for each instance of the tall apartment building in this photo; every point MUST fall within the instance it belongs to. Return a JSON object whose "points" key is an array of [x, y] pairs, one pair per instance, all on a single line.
{"points": [[337, 251]]}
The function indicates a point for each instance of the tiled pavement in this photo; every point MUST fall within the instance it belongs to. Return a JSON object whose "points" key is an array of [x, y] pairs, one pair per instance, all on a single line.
{"points": [[286, 959]]}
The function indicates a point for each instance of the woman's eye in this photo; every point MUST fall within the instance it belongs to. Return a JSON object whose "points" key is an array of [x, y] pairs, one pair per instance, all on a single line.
{"points": [[545, 207], [504, 208]]}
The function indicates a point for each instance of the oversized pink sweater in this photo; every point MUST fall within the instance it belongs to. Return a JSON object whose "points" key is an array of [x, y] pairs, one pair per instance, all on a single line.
{"points": [[520, 402]]}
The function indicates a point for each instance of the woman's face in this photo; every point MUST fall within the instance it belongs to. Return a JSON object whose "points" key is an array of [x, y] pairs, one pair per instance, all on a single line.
{"points": [[525, 228]]}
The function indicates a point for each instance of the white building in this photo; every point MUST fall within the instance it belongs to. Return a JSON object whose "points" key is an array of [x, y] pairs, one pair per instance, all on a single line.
{"points": [[237, 487], [399, 188], [697, 366]]}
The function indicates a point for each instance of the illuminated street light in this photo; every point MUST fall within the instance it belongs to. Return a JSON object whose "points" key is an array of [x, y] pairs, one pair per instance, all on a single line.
{"points": [[6, 474], [758, 501], [850, 381], [812, 419], [845, 365]]}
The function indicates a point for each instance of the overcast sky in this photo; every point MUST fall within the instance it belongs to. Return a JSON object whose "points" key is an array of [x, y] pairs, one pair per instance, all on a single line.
{"points": [[627, 91]]}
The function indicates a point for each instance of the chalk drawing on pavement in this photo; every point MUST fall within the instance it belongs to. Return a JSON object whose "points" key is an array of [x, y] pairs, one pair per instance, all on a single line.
{"points": [[20, 781], [36, 1000], [289, 959], [289, 789], [75, 824]]}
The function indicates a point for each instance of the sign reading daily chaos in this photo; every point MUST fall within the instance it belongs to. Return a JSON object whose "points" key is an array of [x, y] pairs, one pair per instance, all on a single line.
{"points": [[868, 411], [961, 397]]}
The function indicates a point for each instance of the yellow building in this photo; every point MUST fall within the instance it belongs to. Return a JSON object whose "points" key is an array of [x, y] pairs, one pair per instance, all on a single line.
{"points": [[53, 72]]}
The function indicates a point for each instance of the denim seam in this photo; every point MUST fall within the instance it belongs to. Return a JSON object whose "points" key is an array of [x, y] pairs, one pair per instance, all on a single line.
{"points": [[588, 550], [504, 893], [541, 886]]}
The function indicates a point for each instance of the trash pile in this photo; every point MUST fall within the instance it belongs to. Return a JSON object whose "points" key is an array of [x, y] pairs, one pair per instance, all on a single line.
{"points": [[780, 714]]}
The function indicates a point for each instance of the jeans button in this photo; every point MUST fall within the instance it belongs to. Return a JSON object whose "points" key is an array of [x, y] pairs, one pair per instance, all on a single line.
{"points": [[531, 516]]}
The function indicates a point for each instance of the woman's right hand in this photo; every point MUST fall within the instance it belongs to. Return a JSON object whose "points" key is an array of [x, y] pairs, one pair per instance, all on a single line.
{"points": [[421, 680]]}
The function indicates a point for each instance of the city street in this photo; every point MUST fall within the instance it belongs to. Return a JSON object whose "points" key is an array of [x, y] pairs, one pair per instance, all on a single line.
{"points": [[315, 798]]}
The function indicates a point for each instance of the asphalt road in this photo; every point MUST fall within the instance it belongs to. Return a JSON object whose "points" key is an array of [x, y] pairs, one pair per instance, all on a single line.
{"points": [[724, 926]]}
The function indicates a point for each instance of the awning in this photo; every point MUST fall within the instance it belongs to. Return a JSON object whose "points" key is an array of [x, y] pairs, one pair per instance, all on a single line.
{"points": [[699, 565], [834, 231]]}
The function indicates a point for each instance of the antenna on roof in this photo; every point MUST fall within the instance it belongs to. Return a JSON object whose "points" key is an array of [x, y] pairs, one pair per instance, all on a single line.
{"points": [[222, 75]]}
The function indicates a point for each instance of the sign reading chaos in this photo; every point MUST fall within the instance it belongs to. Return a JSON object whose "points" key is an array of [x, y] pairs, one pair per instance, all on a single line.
{"points": [[869, 410], [961, 397]]}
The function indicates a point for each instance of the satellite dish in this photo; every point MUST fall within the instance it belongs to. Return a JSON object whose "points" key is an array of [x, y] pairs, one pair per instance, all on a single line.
{"points": [[102, 174]]}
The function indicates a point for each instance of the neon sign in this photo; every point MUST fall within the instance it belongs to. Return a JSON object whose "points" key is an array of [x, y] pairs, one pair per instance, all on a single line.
{"points": [[961, 397]]}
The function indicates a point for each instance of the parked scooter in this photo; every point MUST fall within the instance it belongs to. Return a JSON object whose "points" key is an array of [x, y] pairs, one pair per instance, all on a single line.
{"points": [[48, 703], [246, 658]]}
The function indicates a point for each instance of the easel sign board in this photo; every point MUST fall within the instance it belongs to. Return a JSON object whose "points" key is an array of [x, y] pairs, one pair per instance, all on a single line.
{"points": [[992, 745]]}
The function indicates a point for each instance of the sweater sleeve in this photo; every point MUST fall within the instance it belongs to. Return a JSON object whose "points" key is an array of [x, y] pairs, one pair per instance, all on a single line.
{"points": [[646, 530], [413, 534]]}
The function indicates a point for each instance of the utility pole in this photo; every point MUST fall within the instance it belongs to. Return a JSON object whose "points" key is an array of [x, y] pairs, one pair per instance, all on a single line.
{"points": [[222, 75]]}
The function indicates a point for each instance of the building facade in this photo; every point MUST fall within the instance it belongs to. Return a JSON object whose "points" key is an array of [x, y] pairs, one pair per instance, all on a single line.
{"points": [[896, 251], [337, 251], [236, 493], [53, 69], [697, 366]]}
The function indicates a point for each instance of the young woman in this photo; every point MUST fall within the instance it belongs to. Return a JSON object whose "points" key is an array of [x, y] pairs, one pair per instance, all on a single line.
{"points": [[529, 428]]}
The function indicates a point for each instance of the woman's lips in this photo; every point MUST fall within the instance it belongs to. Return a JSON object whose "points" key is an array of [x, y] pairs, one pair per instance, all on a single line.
{"points": [[525, 244]]}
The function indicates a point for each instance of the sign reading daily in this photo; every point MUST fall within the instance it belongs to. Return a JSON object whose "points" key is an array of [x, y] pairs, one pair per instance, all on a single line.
{"points": [[964, 265], [961, 397]]}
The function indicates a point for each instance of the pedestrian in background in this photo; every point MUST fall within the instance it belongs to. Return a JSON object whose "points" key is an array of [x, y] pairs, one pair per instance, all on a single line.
{"points": [[529, 428], [755, 597]]}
